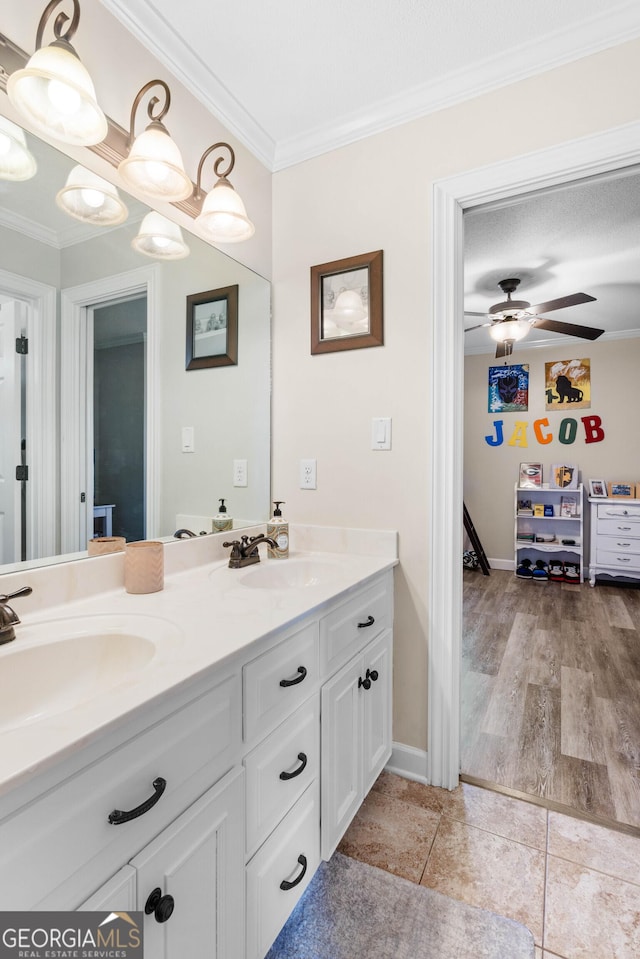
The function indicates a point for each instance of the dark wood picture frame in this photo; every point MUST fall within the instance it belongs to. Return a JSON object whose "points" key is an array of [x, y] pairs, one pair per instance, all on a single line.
{"points": [[360, 277], [217, 343]]}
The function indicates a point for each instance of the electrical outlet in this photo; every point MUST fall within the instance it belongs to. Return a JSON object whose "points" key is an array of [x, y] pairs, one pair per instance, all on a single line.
{"points": [[308, 478], [239, 472]]}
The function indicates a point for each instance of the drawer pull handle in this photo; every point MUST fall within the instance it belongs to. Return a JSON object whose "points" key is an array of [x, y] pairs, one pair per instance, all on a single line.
{"points": [[624, 529], [366, 682], [285, 884], [161, 906], [296, 772], [370, 621], [372, 674], [624, 559], [298, 679], [625, 545], [118, 816]]}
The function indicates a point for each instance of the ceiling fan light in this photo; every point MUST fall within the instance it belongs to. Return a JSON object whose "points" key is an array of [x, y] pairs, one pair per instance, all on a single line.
{"points": [[87, 197], [56, 95], [160, 238], [509, 329], [154, 166], [16, 161], [223, 218]]}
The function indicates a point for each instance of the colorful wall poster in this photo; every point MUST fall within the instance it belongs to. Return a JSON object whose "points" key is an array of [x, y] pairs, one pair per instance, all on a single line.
{"points": [[567, 383], [509, 388]]}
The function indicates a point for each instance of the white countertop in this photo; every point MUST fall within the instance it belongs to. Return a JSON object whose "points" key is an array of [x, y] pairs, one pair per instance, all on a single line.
{"points": [[206, 616]]}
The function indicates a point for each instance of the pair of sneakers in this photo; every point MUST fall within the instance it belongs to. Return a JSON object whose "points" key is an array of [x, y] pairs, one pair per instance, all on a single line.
{"points": [[539, 572], [560, 572]]}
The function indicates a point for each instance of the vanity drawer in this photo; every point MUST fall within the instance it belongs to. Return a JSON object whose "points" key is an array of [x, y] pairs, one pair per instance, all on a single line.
{"points": [[279, 681], [621, 526], [629, 511], [291, 856], [47, 841], [354, 623], [279, 770], [623, 559]]}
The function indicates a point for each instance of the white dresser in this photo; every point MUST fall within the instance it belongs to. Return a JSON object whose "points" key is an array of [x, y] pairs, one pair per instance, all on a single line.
{"points": [[615, 538]]}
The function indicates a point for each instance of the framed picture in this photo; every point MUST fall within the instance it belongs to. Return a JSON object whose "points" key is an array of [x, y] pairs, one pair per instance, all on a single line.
{"points": [[346, 303], [597, 487], [563, 476], [530, 476], [212, 328], [568, 506], [622, 489], [509, 388]]}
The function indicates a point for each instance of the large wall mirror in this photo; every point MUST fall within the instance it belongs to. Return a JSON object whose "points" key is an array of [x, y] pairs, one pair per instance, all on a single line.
{"points": [[115, 435]]}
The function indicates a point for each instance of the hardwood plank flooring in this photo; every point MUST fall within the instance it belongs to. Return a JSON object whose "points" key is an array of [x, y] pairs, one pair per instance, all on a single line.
{"points": [[550, 692]]}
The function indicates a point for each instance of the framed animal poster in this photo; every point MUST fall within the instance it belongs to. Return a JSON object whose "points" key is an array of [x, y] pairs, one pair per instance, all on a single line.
{"points": [[563, 476], [567, 383], [509, 388]]}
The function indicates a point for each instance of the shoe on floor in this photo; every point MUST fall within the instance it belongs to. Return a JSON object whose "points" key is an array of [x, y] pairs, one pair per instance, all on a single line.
{"points": [[572, 573], [556, 571], [524, 570], [540, 572]]}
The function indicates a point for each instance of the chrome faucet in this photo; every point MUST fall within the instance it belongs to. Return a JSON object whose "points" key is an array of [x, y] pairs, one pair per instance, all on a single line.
{"points": [[244, 551], [8, 617]]}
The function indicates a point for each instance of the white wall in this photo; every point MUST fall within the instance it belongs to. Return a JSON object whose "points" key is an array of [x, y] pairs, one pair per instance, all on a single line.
{"points": [[371, 195], [491, 471]]}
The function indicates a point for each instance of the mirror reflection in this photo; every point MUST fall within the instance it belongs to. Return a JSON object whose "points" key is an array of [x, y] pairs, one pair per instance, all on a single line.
{"points": [[104, 430]]}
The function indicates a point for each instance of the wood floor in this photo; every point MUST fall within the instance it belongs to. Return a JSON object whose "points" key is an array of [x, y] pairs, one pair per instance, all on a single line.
{"points": [[551, 692]]}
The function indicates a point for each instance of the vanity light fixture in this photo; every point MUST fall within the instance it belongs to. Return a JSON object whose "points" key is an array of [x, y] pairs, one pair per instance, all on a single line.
{"points": [[154, 165], [87, 197], [160, 238], [16, 160], [54, 90], [223, 217]]}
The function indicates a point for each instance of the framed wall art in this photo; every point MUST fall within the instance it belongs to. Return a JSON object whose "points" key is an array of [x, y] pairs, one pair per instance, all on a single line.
{"points": [[346, 303], [212, 328], [563, 476]]}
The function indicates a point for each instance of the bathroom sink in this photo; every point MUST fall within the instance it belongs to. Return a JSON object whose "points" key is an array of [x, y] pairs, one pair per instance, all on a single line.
{"points": [[53, 666], [289, 574]]}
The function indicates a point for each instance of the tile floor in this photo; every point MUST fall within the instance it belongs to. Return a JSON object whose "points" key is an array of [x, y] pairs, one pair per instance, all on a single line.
{"points": [[574, 884]]}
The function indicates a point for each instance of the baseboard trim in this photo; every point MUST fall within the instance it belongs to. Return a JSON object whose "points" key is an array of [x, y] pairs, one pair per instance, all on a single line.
{"points": [[409, 762]]}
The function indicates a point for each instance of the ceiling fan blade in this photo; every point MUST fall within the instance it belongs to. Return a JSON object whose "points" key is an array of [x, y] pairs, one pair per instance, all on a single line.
{"points": [[478, 326], [571, 329], [561, 303], [469, 313]]}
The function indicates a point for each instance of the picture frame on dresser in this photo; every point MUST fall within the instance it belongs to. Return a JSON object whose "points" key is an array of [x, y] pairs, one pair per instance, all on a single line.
{"points": [[621, 490], [597, 488]]}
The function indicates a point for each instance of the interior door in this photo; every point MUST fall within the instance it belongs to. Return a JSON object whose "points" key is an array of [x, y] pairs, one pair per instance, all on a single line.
{"points": [[11, 323]]}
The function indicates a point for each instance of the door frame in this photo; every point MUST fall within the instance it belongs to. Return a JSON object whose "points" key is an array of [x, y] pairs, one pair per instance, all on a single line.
{"points": [[588, 156], [76, 468], [41, 411]]}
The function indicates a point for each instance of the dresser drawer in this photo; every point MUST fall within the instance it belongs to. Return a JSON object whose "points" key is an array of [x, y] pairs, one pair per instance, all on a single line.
{"points": [[279, 770], [630, 511], [289, 857], [627, 526], [279, 681], [346, 630], [47, 841], [619, 558], [622, 540]]}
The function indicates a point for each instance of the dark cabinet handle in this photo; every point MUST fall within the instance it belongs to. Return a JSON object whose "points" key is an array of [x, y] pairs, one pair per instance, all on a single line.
{"points": [[117, 817], [364, 682], [161, 906], [370, 621], [285, 884], [296, 772], [372, 674], [298, 679]]}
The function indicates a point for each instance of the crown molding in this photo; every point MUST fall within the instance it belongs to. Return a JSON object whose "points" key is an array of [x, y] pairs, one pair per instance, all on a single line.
{"points": [[27, 227]]}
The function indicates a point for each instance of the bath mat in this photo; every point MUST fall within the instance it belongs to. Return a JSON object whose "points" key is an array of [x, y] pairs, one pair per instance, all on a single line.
{"points": [[354, 911]]}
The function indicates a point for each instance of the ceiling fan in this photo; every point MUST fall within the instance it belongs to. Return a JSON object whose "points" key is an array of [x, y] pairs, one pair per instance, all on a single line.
{"points": [[511, 320]]}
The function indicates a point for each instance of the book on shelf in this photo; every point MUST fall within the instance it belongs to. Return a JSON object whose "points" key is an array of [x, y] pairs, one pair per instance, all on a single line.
{"points": [[538, 509], [568, 506]]}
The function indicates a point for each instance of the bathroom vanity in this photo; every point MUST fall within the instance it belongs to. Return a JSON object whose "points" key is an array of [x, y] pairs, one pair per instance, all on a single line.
{"points": [[203, 774]]}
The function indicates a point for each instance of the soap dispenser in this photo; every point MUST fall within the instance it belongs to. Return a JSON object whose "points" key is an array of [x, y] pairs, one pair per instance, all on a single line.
{"points": [[222, 522], [278, 530]]}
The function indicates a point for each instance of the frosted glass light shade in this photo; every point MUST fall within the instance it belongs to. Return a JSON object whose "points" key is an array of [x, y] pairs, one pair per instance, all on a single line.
{"points": [[55, 93], [87, 197], [16, 161], [154, 166], [160, 238], [223, 217], [512, 329]]}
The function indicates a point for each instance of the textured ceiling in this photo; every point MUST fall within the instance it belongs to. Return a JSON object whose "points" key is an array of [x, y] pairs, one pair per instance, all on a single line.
{"points": [[294, 78]]}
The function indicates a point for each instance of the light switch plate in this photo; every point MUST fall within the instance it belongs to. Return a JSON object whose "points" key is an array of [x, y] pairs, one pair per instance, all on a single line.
{"points": [[188, 442], [381, 433]]}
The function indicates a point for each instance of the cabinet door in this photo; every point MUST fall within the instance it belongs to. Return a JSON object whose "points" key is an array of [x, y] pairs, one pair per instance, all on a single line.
{"points": [[198, 861], [341, 754], [118, 894], [376, 710]]}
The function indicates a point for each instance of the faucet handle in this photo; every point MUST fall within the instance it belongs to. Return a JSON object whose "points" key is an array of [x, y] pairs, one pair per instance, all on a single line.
{"points": [[23, 591]]}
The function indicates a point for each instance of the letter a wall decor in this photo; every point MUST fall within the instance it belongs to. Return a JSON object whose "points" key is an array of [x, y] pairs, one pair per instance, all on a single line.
{"points": [[567, 384]]}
